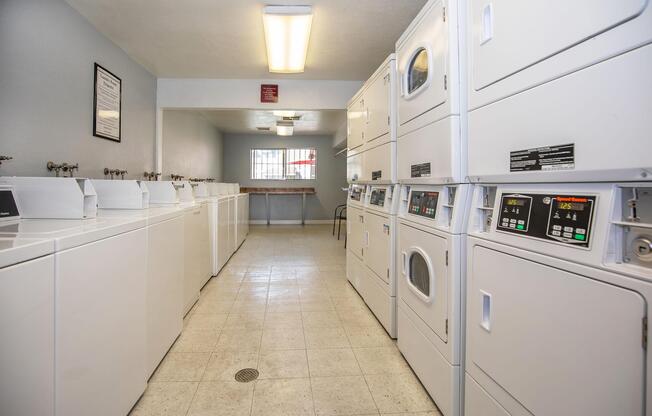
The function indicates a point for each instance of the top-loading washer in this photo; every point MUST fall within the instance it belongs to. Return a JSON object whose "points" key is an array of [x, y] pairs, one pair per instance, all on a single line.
{"points": [[100, 267], [559, 291], [355, 269], [559, 96], [220, 238], [379, 228], [26, 319], [431, 144], [165, 260], [208, 219], [430, 262], [242, 215]]}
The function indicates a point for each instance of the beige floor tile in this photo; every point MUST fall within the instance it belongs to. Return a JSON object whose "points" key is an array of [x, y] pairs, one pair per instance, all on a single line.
{"points": [[251, 321], [165, 399], [240, 339], [181, 366], [342, 396], [213, 307], [283, 320], [196, 340], [212, 321], [283, 339], [310, 306], [321, 319], [223, 364], [381, 360], [222, 399], [283, 397], [358, 317], [432, 413], [326, 338], [394, 393], [283, 364], [333, 362], [274, 306], [368, 336]]}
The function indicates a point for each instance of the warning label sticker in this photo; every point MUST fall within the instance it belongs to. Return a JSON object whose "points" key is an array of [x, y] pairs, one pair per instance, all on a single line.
{"points": [[560, 157], [376, 174], [421, 170]]}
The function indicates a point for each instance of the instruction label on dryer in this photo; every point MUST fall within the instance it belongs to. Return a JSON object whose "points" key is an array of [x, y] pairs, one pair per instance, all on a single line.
{"points": [[421, 170], [560, 157]]}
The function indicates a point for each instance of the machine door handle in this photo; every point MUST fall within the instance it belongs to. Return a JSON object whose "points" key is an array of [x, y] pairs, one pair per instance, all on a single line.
{"points": [[485, 321], [404, 262]]}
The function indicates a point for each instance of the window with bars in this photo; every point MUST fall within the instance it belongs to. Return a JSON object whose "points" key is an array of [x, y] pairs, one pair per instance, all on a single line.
{"points": [[282, 164]]}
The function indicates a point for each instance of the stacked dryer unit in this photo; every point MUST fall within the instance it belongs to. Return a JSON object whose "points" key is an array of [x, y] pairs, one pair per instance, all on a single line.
{"points": [[560, 232], [433, 206], [99, 268], [373, 193]]}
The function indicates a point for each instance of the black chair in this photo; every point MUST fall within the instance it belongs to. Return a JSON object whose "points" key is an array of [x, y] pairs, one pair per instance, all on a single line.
{"points": [[336, 215], [339, 227]]}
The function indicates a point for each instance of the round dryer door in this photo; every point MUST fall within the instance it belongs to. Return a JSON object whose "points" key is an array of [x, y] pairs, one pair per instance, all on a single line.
{"points": [[417, 71], [419, 273]]}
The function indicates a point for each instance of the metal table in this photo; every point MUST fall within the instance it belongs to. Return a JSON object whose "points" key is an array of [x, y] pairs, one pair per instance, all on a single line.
{"points": [[282, 191]]}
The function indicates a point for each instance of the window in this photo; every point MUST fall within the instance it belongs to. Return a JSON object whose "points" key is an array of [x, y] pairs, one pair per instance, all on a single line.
{"points": [[417, 71], [282, 164]]}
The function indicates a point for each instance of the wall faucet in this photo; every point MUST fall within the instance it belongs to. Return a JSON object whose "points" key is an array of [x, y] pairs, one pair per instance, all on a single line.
{"points": [[3, 158], [176, 177]]}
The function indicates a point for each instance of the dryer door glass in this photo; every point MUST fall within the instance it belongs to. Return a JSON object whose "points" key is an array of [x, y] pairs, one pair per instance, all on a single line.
{"points": [[417, 73], [419, 274]]}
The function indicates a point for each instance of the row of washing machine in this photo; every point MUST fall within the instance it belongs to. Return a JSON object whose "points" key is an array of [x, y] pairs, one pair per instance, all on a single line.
{"points": [[522, 245], [92, 299]]}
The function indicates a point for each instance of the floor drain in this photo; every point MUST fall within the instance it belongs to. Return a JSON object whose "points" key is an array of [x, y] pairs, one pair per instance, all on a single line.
{"points": [[246, 375]]}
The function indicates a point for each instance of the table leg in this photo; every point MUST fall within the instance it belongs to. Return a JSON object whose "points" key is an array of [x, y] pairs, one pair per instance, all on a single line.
{"points": [[303, 208], [267, 208]]}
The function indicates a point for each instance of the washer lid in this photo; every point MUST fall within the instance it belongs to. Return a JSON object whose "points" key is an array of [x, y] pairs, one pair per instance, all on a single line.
{"points": [[18, 250]]}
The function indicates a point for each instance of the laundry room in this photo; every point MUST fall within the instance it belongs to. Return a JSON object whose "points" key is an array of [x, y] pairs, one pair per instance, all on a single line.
{"points": [[325, 208]]}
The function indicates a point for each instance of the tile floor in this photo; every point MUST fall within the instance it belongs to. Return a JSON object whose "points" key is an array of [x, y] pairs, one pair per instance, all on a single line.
{"points": [[283, 305]]}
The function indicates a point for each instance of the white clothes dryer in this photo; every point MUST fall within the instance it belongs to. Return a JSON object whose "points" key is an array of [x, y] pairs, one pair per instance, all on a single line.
{"points": [[559, 280], [559, 91], [431, 145], [355, 269], [431, 259]]}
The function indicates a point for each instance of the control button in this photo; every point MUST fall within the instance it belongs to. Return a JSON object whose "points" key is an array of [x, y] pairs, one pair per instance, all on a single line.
{"points": [[580, 237], [580, 231], [556, 227], [512, 225], [568, 229], [512, 221], [556, 233], [521, 222], [520, 227], [568, 235], [505, 219]]}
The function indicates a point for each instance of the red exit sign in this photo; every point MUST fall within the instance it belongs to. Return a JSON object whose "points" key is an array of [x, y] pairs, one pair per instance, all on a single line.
{"points": [[269, 93]]}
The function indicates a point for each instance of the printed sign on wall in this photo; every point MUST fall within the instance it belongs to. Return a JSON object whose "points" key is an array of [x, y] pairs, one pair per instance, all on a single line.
{"points": [[269, 93], [107, 103]]}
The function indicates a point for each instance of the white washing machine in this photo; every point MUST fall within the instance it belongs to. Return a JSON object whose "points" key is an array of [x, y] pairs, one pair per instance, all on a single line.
{"points": [[165, 264], [100, 268], [242, 217], [209, 229], [430, 262], [559, 291], [379, 228], [355, 268], [559, 96], [26, 320], [432, 95]]}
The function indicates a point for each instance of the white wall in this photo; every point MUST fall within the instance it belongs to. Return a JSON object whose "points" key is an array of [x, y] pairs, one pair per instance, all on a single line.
{"points": [[192, 147], [47, 52]]}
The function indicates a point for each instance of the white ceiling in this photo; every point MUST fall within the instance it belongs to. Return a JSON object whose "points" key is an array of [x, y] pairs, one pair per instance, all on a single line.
{"points": [[325, 122], [225, 39]]}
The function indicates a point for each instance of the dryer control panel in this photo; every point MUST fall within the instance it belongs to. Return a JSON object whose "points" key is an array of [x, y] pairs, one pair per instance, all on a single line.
{"points": [[378, 197], [423, 203], [561, 218]]}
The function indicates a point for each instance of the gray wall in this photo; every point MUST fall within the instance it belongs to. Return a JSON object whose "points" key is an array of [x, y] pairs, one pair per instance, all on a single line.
{"points": [[192, 146], [47, 51], [331, 176]]}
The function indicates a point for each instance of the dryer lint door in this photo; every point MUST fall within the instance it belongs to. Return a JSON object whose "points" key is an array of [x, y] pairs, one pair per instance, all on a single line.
{"points": [[422, 61], [511, 35], [378, 255], [423, 280], [558, 342], [355, 228]]}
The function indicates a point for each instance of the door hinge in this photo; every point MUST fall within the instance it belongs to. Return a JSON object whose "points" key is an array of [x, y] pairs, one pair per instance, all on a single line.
{"points": [[445, 82], [446, 257], [388, 120], [446, 326], [644, 333], [362, 252], [444, 14], [387, 274]]}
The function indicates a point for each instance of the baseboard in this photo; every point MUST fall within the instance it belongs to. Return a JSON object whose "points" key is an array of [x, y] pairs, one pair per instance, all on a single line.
{"points": [[291, 222]]}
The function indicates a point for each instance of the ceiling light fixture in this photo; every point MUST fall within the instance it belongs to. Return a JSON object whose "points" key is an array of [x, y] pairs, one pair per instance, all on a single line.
{"points": [[284, 128], [284, 113], [287, 32]]}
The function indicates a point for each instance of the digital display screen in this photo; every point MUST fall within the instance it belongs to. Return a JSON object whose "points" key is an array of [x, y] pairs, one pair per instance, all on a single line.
{"points": [[378, 197], [515, 202], [572, 206]]}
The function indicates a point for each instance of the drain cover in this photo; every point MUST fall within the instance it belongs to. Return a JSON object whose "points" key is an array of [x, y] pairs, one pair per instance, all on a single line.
{"points": [[246, 375]]}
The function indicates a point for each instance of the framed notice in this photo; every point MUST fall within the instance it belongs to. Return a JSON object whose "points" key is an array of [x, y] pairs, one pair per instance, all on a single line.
{"points": [[107, 103], [269, 93]]}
